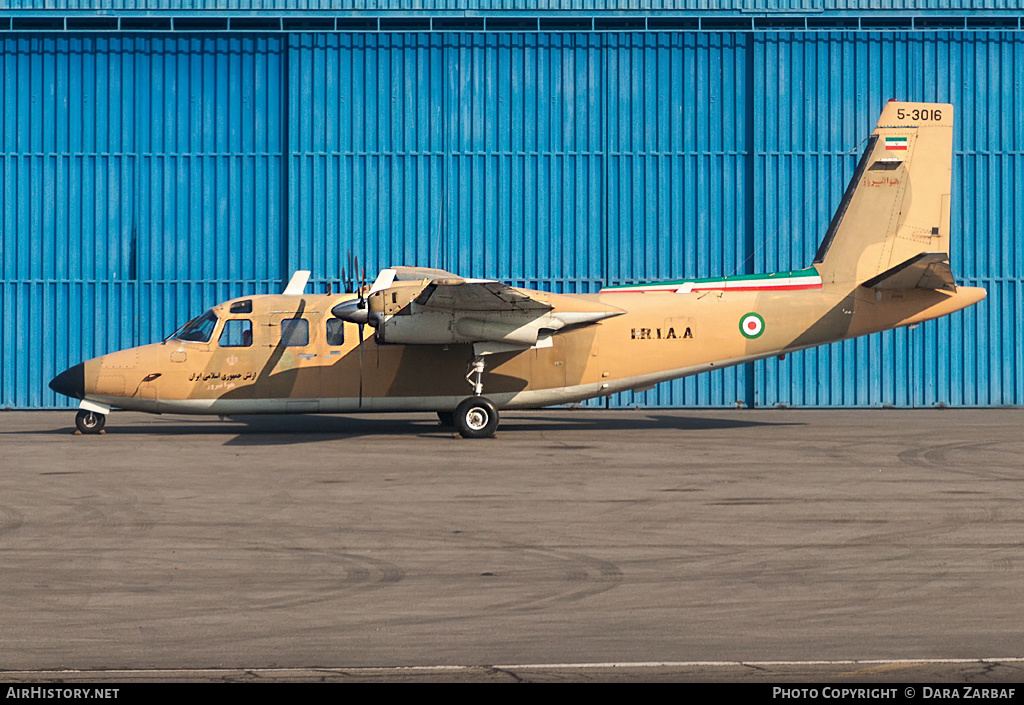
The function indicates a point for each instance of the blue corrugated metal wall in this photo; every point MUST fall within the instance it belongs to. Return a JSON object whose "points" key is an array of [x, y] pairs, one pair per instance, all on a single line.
{"points": [[149, 176], [840, 80], [519, 6], [141, 182]]}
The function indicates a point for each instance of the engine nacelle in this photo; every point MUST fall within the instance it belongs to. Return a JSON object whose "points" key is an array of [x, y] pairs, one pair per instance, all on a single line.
{"points": [[419, 326]]}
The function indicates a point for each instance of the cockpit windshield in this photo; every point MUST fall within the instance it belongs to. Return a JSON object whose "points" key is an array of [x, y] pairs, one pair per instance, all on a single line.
{"points": [[199, 329]]}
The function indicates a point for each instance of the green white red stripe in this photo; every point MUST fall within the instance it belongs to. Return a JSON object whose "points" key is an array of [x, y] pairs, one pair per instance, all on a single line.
{"points": [[779, 281], [898, 143]]}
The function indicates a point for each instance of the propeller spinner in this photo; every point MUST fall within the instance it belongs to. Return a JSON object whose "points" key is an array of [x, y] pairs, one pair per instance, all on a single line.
{"points": [[357, 310]]}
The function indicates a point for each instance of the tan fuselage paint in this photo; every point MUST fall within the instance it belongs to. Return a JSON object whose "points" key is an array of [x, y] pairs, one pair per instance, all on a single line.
{"points": [[661, 336]]}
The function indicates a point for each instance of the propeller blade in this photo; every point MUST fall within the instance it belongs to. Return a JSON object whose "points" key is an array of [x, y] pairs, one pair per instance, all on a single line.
{"points": [[361, 363]]}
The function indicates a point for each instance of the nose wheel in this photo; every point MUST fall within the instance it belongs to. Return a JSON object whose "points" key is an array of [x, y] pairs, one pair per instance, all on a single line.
{"points": [[476, 417], [90, 421]]}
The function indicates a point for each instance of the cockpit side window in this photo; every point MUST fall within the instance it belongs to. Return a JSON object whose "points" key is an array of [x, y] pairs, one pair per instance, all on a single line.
{"points": [[237, 333], [199, 329], [294, 332], [335, 332]]}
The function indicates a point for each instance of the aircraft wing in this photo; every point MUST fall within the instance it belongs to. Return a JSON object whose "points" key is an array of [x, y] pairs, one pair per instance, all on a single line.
{"points": [[927, 270], [470, 295], [422, 306]]}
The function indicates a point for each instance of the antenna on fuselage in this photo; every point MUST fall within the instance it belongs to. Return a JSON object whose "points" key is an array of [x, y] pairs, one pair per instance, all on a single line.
{"points": [[297, 284]]}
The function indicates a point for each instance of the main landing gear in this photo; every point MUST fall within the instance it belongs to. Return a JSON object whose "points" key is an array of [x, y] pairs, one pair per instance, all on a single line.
{"points": [[90, 421], [475, 417]]}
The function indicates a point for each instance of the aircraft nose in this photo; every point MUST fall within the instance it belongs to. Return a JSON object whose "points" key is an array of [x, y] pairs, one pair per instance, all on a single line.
{"points": [[70, 382]]}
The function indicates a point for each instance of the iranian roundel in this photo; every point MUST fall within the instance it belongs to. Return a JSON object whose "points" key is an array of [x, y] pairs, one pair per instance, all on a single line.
{"points": [[751, 325]]}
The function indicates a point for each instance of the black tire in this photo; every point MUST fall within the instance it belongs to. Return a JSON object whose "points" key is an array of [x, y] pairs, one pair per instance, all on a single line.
{"points": [[90, 421], [476, 417], [447, 419]]}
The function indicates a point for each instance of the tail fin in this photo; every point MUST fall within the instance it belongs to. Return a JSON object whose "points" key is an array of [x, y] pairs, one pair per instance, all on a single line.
{"points": [[896, 207]]}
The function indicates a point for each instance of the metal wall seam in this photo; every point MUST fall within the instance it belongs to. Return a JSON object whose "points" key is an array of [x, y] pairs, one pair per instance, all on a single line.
{"points": [[365, 150], [677, 175], [568, 7]]}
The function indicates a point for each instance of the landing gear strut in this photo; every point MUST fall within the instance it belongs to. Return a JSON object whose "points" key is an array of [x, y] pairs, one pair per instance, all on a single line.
{"points": [[476, 370], [90, 421], [476, 417]]}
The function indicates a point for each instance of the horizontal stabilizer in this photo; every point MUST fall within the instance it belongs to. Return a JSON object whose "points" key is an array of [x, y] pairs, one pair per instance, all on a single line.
{"points": [[927, 270]]}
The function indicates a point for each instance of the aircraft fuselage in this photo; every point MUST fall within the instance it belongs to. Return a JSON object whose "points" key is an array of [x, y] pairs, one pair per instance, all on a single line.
{"points": [[250, 364]]}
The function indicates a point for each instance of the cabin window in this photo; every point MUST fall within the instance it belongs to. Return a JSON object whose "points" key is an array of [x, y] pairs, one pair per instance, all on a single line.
{"points": [[199, 329], [294, 332], [237, 333], [335, 332], [242, 306]]}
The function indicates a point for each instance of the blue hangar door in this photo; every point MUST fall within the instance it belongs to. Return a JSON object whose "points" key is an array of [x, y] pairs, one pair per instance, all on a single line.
{"points": [[142, 180]]}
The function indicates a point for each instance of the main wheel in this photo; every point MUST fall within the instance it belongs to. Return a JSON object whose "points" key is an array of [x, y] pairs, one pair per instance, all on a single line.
{"points": [[90, 421], [476, 417]]}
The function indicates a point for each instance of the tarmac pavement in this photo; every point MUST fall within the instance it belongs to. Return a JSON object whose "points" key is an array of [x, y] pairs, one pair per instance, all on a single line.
{"points": [[576, 545]]}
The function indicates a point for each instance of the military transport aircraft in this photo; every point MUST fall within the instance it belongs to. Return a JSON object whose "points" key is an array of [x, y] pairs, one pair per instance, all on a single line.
{"points": [[465, 348]]}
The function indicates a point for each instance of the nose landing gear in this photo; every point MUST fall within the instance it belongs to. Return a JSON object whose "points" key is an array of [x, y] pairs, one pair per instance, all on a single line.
{"points": [[90, 422]]}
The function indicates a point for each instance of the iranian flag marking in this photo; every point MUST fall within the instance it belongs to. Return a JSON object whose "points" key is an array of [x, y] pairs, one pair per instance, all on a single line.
{"points": [[751, 325], [780, 281], [899, 143]]}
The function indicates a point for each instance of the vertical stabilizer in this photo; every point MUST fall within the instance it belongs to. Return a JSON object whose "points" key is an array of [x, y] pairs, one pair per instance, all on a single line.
{"points": [[896, 206]]}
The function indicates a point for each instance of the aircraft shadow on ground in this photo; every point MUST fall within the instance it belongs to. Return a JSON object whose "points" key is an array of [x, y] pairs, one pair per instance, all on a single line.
{"points": [[273, 430]]}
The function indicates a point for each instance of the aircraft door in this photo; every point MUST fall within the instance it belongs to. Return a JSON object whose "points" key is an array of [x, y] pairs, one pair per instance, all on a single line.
{"points": [[294, 367], [549, 365], [343, 363], [581, 352]]}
